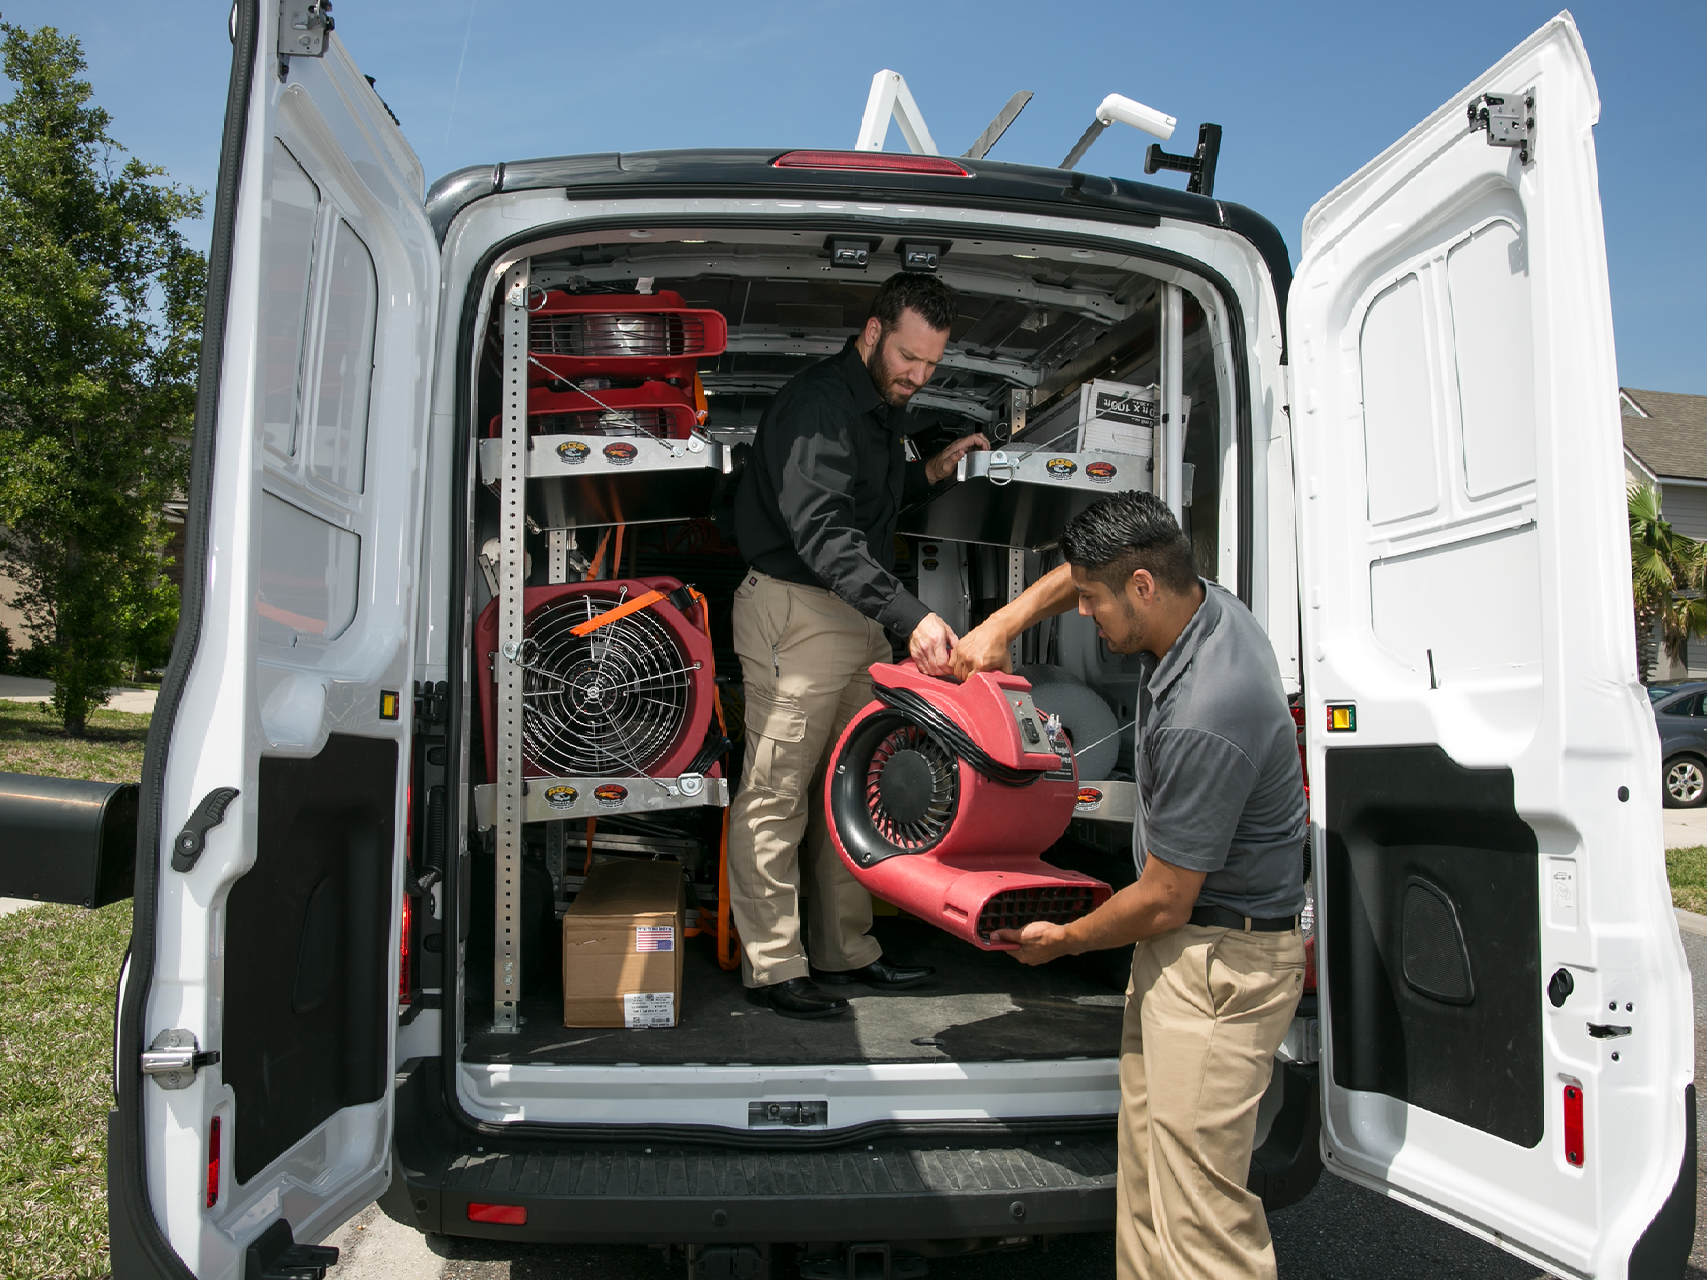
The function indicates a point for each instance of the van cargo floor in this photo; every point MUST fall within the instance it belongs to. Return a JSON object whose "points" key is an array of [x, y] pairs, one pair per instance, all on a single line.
{"points": [[980, 1007]]}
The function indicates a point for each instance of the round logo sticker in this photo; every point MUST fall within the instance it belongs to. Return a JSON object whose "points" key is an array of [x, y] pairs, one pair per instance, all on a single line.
{"points": [[573, 452], [1089, 798], [1100, 472], [621, 453], [561, 797], [1061, 468], [610, 795]]}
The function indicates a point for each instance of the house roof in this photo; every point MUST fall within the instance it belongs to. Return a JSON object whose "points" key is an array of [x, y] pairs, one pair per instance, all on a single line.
{"points": [[1672, 439]]}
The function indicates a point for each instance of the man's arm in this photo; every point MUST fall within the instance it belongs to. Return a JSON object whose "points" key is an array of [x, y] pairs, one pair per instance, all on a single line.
{"points": [[985, 647], [1161, 900], [816, 501]]}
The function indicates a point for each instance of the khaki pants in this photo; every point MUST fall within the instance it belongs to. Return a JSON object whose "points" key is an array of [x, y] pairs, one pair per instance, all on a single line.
{"points": [[805, 655], [1205, 1012]]}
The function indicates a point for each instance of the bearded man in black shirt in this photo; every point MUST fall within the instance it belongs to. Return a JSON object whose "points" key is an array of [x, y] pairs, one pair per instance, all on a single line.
{"points": [[815, 517]]}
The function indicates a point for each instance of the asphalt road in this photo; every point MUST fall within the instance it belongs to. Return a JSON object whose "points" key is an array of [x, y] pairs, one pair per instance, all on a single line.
{"points": [[1338, 1232]]}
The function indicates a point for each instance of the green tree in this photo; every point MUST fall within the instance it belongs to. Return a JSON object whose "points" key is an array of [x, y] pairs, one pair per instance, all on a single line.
{"points": [[100, 324], [1667, 573]]}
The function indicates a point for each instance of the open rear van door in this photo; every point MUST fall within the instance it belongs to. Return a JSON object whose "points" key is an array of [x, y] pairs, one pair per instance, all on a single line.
{"points": [[1508, 1024], [258, 1011]]}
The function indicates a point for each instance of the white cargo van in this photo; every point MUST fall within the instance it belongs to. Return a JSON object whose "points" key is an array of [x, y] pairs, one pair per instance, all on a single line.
{"points": [[345, 978]]}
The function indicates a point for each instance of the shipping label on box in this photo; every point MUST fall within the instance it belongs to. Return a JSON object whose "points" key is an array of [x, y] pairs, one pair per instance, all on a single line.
{"points": [[649, 1009]]}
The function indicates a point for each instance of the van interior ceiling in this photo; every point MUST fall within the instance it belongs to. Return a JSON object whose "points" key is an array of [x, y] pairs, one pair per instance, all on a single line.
{"points": [[1036, 323]]}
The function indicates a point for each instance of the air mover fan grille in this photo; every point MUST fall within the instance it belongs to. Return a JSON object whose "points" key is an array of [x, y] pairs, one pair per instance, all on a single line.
{"points": [[596, 336], [910, 788], [1017, 908], [612, 422], [612, 702]]}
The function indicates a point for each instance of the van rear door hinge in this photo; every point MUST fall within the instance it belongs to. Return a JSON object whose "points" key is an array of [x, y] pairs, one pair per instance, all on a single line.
{"points": [[174, 1058], [1509, 119], [304, 26]]}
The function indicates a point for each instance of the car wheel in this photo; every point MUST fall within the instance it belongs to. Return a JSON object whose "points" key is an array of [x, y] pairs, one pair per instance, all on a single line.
{"points": [[1685, 781]]}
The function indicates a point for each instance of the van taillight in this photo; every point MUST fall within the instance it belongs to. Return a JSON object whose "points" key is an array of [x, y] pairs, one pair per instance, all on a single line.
{"points": [[213, 1162], [1310, 964], [508, 1215], [1303, 758], [871, 162], [403, 974]]}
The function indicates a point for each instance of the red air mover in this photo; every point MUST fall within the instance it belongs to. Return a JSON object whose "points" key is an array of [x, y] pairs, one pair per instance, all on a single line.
{"points": [[650, 409], [626, 697], [621, 335], [942, 797]]}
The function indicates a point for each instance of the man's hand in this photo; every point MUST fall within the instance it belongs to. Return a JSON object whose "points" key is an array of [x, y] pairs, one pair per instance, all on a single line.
{"points": [[931, 645], [987, 647], [942, 466], [1039, 942]]}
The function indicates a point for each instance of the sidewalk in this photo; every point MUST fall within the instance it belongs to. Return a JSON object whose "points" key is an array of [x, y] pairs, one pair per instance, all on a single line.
{"points": [[27, 689], [1685, 828]]}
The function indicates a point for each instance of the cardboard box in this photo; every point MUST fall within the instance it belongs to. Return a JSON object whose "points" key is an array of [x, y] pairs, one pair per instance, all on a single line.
{"points": [[622, 947]]}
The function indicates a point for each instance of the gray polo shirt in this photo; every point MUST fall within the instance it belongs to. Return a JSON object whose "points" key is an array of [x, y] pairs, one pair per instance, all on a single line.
{"points": [[1219, 784]]}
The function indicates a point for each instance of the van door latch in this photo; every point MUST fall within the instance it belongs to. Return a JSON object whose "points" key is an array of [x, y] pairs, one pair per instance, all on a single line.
{"points": [[304, 26], [174, 1058], [1509, 119], [193, 838], [787, 1115], [1606, 1031]]}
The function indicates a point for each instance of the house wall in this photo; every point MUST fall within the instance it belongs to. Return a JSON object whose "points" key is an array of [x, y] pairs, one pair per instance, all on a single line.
{"points": [[1685, 506]]}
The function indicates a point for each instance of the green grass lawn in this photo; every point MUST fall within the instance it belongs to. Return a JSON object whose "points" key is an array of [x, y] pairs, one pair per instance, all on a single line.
{"points": [[32, 741], [1687, 871], [59, 968]]}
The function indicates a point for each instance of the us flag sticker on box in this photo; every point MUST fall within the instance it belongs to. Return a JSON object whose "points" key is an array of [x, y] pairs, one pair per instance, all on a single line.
{"points": [[649, 937]]}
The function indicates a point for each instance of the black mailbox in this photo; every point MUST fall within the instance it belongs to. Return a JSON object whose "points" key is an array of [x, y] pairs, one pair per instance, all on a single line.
{"points": [[67, 839]]}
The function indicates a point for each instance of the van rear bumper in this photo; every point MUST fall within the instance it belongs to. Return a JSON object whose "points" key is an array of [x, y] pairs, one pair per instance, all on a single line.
{"points": [[597, 1192]]}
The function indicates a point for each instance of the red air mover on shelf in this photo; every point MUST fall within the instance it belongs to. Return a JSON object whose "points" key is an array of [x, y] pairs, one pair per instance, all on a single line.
{"points": [[650, 409], [621, 335], [942, 797], [618, 680]]}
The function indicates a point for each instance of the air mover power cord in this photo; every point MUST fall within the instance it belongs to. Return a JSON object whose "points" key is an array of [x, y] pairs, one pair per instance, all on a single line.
{"points": [[952, 738]]}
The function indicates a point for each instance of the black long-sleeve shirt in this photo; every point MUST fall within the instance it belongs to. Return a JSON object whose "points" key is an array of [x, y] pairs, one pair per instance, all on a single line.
{"points": [[825, 484]]}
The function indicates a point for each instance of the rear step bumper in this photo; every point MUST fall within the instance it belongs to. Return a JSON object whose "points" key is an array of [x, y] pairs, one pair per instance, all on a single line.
{"points": [[889, 1189], [619, 1193]]}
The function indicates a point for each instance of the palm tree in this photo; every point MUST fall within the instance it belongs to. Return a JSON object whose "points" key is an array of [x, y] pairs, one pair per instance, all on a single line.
{"points": [[1667, 574]]}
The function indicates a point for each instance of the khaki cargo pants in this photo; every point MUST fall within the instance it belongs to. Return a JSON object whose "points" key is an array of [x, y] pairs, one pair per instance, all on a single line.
{"points": [[805, 654], [1206, 1011]]}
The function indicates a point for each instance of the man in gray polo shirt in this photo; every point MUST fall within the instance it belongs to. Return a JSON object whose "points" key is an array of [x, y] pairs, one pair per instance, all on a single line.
{"points": [[1219, 963]]}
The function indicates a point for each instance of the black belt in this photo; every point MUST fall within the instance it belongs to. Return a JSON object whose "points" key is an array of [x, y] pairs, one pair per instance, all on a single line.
{"points": [[1227, 918]]}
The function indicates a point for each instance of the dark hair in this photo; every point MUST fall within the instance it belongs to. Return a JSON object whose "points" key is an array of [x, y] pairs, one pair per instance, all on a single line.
{"points": [[929, 296], [1127, 531]]}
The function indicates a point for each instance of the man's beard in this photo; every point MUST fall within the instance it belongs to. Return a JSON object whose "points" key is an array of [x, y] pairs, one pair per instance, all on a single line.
{"points": [[889, 388]]}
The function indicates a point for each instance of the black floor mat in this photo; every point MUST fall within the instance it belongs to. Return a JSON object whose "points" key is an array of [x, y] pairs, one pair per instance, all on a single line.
{"points": [[980, 1007]]}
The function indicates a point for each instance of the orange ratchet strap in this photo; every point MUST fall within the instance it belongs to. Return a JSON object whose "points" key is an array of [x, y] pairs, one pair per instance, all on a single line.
{"points": [[621, 611]]}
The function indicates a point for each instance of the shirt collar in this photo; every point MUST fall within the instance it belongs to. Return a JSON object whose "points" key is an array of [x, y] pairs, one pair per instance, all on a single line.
{"points": [[866, 399], [1184, 649]]}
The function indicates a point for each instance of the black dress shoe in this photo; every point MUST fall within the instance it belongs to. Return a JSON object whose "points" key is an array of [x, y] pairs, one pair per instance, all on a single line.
{"points": [[798, 998], [880, 973]]}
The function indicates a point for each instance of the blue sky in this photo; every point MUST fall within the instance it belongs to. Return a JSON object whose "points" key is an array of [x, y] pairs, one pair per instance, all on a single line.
{"points": [[1305, 92]]}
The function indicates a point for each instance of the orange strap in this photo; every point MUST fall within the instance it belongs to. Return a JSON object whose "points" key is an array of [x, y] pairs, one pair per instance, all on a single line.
{"points": [[598, 566], [728, 944], [611, 615]]}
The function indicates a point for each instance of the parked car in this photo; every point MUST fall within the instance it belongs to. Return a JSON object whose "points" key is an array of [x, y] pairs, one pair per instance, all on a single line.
{"points": [[1400, 458], [1682, 722]]}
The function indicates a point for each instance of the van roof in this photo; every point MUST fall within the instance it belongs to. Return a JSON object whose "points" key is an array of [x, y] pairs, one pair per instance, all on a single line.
{"points": [[992, 185]]}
